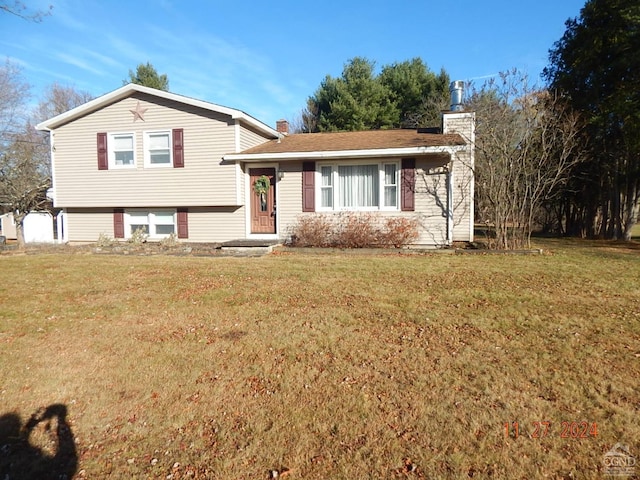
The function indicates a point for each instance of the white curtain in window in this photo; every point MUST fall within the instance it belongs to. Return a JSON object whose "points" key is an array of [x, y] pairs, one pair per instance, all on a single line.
{"points": [[159, 148], [358, 185], [159, 141], [123, 149], [123, 142]]}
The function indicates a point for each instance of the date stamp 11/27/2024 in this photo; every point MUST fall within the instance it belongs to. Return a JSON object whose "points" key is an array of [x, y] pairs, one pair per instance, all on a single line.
{"points": [[543, 429], [618, 461]]}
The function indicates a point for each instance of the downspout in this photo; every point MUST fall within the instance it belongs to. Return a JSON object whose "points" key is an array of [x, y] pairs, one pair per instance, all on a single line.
{"points": [[450, 205], [61, 220]]}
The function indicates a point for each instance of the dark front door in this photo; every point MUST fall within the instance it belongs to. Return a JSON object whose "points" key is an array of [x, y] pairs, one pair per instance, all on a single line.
{"points": [[263, 204]]}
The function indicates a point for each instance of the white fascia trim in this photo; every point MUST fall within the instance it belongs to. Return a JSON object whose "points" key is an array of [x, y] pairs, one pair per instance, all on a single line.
{"points": [[340, 154], [130, 88]]}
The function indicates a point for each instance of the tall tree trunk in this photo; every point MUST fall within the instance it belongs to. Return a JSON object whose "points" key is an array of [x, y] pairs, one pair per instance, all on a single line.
{"points": [[630, 214], [19, 219]]}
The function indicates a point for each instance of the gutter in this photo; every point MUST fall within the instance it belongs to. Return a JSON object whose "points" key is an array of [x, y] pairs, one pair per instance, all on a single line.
{"points": [[341, 154]]}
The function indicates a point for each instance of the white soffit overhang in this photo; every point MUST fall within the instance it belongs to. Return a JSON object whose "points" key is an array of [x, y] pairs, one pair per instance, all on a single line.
{"points": [[343, 154]]}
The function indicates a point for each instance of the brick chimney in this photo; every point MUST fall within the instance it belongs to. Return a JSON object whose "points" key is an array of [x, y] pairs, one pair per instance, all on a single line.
{"points": [[282, 126]]}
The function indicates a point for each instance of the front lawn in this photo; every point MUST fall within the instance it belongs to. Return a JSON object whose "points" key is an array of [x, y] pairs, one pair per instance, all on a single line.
{"points": [[322, 366]]}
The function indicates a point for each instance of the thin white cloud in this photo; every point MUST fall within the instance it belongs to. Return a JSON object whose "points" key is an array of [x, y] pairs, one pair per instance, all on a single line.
{"points": [[78, 62], [64, 13], [124, 49], [101, 58], [211, 68], [482, 77]]}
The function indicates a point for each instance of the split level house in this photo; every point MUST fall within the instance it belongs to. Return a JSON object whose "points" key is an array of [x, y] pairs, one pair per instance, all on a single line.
{"points": [[140, 158]]}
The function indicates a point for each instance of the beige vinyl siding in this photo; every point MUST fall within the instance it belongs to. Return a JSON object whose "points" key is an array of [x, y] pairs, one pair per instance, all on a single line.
{"points": [[289, 197], [432, 219], [204, 180], [87, 225], [250, 138], [206, 225], [216, 224]]}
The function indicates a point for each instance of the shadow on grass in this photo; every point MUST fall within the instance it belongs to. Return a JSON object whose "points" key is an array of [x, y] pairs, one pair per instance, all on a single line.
{"points": [[43, 448]]}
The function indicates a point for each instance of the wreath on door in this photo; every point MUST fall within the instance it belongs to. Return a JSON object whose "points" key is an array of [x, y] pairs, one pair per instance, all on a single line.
{"points": [[261, 187]]}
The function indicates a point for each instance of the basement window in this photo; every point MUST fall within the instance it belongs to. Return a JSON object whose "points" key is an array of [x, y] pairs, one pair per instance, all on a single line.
{"points": [[155, 224]]}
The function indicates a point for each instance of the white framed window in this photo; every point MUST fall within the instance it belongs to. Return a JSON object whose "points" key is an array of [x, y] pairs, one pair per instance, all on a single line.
{"points": [[122, 152], [157, 149], [326, 186], [154, 223], [358, 186], [390, 185]]}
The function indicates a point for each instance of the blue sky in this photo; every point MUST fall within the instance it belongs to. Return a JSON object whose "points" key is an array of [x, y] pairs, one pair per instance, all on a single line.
{"points": [[266, 58]]}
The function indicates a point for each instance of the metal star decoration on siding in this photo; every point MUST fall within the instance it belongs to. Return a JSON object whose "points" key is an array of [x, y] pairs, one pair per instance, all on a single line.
{"points": [[138, 113]]}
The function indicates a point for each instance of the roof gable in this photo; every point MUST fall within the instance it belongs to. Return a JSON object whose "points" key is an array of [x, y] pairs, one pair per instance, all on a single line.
{"points": [[131, 88]]}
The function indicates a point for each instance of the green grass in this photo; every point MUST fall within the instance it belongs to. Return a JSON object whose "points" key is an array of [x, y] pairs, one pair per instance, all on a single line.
{"points": [[326, 366]]}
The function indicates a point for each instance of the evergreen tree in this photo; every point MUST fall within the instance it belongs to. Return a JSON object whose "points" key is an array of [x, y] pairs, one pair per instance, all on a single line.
{"points": [[355, 101], [596, 65], [405, 94], [147, 75], [419, 94]]}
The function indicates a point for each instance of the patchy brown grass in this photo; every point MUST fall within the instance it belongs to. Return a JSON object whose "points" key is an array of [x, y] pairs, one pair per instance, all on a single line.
{"points": [[326, 366]]}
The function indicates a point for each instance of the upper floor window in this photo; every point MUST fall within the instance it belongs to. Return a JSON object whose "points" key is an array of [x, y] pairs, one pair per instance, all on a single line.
{"points": [[164, 148], [122, 151], [157, 149], [359, 186]]}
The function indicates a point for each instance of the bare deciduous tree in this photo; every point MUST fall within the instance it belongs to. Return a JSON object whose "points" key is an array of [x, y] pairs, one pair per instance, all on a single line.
{"points": [[25, 165], [19, 9], [14, 93], [24, 177], [58, 99], [526, 145]]}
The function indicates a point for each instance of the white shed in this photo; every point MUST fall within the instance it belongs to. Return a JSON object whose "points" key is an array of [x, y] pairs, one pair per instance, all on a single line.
{"points": [[38, 227]]}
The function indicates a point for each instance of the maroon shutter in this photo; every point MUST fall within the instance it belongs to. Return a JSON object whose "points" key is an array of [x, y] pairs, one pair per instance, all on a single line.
{"points": [[183, 223], [118, 223], [308, 187], [407, 185], [103, 157], [178, 148]]}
